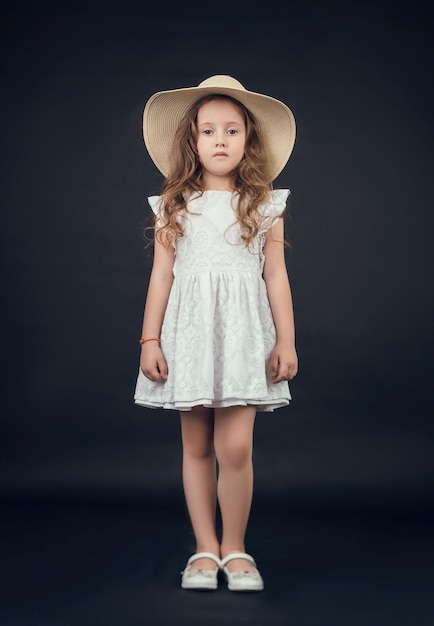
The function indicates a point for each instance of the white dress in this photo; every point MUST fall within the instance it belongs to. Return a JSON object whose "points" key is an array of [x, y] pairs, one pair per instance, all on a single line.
{"points": [[218, 331]]}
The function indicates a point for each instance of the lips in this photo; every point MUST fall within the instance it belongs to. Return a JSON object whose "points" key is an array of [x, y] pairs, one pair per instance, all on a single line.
{"points": [[220, 154]]}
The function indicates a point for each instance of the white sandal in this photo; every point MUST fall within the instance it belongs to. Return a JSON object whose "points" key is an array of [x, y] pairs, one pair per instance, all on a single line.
{"points": [[242, 580], [200, 578]]}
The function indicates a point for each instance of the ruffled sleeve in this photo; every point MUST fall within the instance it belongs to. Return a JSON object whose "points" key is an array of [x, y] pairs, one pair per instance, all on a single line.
{"points": [[274, 208], [155, 204]]}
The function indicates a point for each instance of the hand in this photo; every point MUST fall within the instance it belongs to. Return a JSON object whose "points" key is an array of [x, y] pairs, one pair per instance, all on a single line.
{"points": [[284, 362], [152, 361]]}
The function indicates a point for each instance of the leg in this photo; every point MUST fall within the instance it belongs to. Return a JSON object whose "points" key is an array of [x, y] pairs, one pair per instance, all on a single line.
{"points": [[200, 480], [233, 441]]}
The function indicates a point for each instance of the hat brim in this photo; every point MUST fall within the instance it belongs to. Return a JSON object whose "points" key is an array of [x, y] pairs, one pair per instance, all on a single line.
{"points": [[165, 110]]}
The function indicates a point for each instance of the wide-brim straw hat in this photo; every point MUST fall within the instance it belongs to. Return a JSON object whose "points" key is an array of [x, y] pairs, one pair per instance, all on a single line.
{"points": [[165, 109]]}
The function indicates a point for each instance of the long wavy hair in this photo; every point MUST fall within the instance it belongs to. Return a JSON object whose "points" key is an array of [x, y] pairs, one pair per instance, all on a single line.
{"points": [[185, 176]]}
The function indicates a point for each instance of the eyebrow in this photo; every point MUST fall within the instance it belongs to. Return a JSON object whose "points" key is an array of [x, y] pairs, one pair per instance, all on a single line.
{"points": [[227, 124]]}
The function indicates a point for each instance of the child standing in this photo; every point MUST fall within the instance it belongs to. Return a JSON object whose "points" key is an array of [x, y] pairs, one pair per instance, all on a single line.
{"points": [[218, 339]]}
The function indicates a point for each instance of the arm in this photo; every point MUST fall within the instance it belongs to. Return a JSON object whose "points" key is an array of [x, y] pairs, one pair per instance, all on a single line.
{"points": [[284, 362], [152, 361]]}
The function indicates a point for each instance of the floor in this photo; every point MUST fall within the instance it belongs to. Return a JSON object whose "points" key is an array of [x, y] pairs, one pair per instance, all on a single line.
{"points": [[80, 563]]}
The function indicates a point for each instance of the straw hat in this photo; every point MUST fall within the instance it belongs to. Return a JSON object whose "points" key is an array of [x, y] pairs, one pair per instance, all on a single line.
{"points": [[165, 109]]}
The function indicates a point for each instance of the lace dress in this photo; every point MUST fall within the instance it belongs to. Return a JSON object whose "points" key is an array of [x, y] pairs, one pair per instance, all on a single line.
{"points": [[218, 331]]}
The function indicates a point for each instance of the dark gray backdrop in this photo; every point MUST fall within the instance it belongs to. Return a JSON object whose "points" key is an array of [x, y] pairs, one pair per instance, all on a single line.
{"points": [[75, 177]]}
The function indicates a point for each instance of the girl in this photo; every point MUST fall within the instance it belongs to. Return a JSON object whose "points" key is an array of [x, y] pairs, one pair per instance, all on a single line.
{"points": [[218, 331]]}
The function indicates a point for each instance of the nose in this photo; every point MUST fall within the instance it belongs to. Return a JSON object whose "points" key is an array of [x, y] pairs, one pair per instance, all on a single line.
{"points": [[220, 140]]}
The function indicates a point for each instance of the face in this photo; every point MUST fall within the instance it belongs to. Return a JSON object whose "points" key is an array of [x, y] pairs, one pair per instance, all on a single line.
{"points": [[220, 143]]}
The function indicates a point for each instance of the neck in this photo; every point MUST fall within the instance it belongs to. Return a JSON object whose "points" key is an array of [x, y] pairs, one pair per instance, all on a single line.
{"points": [[217, 183]]}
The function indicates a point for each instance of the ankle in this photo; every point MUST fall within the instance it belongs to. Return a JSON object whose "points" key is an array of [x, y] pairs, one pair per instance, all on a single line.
{"points": [[226, 551], [213, 548]]}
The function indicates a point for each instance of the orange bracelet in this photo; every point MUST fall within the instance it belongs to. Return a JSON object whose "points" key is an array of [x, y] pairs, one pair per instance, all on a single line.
{"points": [[142, 341]]}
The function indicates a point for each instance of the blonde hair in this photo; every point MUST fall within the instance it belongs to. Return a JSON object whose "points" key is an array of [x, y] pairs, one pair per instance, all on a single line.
{"points": [[185, 176]]}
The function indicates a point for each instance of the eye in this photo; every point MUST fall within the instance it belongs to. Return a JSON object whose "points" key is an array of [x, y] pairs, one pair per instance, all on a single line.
{"points": [[232, 131], [207, 131]]}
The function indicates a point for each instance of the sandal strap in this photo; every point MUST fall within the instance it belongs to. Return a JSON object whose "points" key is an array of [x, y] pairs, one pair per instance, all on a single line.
{"points": [[204, 555], [237, 555]]}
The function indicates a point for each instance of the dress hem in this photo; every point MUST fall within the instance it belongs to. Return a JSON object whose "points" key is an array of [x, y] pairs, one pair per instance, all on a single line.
{"points": [[263, 406]]}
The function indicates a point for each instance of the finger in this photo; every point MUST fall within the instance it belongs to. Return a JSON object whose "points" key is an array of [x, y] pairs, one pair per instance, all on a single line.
{"points": [[147, 374], [292, 373], [152, 373], [274, 364], [279, 379], [283, 373], [162, 368]]}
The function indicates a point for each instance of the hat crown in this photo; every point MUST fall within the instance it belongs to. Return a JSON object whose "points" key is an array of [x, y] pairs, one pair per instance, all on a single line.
{"points": [[222, 80]]}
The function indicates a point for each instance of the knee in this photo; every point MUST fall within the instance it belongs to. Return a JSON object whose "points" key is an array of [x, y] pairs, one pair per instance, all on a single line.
{"points": [[235, 455], [198, 448], [197, 430]]}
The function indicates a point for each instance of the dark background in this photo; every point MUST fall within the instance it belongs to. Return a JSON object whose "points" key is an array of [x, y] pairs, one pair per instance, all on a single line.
{"points": [[356, 442]]}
